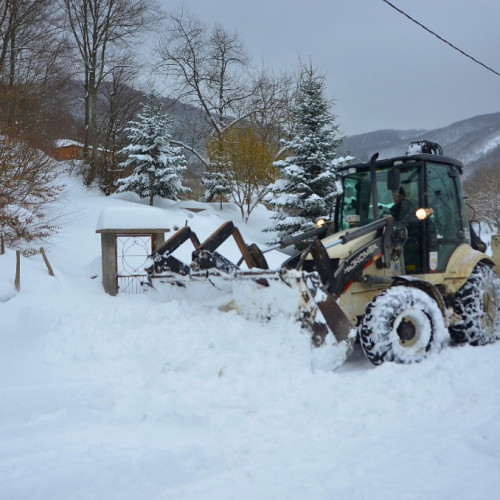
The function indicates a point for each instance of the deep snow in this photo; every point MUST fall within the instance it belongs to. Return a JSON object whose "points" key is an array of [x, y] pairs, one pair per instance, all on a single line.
{"points": [[130, 397]]}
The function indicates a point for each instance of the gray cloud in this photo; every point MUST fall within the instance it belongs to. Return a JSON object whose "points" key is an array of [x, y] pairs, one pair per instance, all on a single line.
{"points": [[383, 70]]}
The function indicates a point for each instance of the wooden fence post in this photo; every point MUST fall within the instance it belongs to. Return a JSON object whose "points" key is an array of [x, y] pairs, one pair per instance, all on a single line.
{"points": [[49, 268], [17, 280]]}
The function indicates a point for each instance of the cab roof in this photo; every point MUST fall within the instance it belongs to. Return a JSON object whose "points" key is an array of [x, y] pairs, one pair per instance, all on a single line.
{"points": [[404, 160]]}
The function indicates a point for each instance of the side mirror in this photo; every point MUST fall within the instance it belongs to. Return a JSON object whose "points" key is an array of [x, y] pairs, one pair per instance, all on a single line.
{"points": [[393, 179]]}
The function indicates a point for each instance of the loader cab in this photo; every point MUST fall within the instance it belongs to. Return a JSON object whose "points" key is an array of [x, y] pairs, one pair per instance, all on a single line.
{"points": [[427, 182]]}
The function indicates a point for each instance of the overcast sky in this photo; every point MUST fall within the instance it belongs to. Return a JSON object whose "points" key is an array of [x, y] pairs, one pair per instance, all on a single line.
{"points": [[384, 71]]}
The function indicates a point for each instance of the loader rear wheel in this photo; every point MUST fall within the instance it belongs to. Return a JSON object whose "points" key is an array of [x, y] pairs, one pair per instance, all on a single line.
{"points": [[477, 304], [402, 325]]}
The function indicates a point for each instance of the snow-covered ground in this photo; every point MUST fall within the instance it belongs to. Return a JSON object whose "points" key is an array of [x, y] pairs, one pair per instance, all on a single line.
{"points": [[130, 397]]}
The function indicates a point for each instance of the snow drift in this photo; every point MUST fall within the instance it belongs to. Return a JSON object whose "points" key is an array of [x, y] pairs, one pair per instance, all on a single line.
{"points": [[132, 397]]}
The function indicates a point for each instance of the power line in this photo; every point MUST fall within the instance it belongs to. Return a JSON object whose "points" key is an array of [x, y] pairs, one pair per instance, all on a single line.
{"points": [[441, 38]]}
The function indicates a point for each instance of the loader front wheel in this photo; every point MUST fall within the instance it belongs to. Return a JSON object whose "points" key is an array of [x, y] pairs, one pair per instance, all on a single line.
{"points": [[402, 324], [477, 304]]}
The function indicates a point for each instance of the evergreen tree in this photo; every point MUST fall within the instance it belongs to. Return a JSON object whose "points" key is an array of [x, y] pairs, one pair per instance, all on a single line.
{"points": [[215, 178], [158, 166], [307, 189]]}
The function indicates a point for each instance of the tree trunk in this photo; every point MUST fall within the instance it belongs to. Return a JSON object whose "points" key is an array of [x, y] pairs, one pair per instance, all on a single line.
{"points": [[12, 71], [86, 138]]}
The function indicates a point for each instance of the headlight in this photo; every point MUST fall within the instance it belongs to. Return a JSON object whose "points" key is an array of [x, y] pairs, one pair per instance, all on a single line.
{"points": [[423, 213]]}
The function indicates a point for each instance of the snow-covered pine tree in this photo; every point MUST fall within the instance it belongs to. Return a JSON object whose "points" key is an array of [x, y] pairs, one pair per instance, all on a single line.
{"points": [[158, 165], [215, 178], [307, 189]]}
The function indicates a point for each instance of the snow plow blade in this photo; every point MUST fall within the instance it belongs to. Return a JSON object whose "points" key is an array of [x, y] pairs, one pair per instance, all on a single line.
{"points": [[257, 292]]}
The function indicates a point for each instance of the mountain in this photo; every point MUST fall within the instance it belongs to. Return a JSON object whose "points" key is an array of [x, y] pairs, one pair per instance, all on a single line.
{"points": [[474, 141]]}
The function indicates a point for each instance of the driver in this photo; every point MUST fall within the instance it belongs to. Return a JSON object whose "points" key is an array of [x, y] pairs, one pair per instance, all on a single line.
{"points": [[403, 209]]}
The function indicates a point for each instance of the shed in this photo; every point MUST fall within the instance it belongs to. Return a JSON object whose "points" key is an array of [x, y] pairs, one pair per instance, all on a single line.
{"points": [[66, 149], [128, 237]]}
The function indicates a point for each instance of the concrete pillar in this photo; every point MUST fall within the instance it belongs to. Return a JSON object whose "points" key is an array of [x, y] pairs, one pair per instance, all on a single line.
{"points": [[158, 239], [109, 266]]}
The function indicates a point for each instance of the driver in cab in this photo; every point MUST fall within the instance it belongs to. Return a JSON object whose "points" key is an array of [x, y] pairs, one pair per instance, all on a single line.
{"points": [[403, 209]]}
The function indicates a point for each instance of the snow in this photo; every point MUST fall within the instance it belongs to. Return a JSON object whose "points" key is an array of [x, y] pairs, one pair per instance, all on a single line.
{"points": [[133, 217], [490, 144], [64, 143], [134, 397]]}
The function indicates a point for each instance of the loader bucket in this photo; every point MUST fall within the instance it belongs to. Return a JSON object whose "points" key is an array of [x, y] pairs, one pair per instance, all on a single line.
{"points": [[256, 292]]}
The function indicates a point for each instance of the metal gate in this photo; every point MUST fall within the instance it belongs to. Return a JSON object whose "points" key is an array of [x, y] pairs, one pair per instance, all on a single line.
{"points": [[132, 251]]}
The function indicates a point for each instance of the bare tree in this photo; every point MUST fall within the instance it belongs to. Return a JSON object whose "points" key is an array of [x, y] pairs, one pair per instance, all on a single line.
{"points": [[273, 104], [202, 66], [14, 16], [119, 104], [483, 190], [32, 69], [28, 188], [100, 28], [209, 68]]}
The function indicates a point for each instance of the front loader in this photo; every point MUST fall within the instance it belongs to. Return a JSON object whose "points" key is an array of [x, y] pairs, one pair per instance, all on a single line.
{"points": [[399, 282]]}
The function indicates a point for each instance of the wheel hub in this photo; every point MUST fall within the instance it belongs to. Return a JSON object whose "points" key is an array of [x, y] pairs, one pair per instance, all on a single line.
{"points": [[406, 331]]}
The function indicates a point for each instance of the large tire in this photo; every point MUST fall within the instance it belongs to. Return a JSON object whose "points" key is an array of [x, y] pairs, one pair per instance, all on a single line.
{"points": [[477, 304], [402, 325]]}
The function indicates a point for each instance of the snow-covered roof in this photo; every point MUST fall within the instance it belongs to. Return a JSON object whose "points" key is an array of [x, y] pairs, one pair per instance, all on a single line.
{"points": [[62, 143], [132, 219]]}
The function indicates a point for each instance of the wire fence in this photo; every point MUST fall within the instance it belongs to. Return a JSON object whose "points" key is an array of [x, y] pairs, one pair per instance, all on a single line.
{"points": [[131, 284]]}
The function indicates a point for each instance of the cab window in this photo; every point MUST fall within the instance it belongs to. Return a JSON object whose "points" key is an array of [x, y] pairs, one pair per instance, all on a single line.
{"points": [[449, 216]]}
